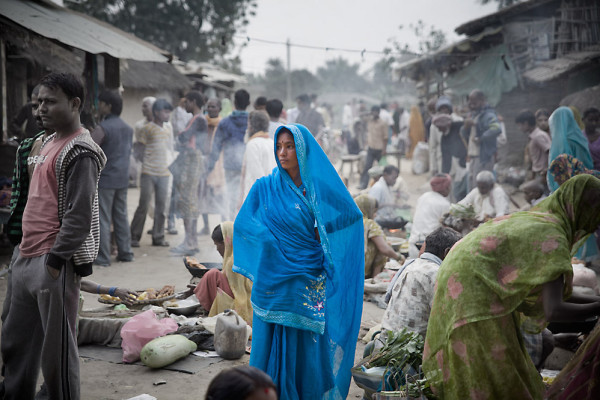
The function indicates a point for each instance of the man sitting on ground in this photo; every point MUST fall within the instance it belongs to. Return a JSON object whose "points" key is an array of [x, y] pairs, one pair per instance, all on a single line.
{"points": [[431, 206], [386, 198], [488, 199], [413, 286], [534, 193]]}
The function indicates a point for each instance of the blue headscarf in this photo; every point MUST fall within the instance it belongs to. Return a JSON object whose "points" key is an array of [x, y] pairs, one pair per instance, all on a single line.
{"points": [[567, 138], [297, 281]]}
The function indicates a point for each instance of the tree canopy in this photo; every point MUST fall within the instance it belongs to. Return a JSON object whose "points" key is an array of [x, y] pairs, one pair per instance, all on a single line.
{"points": [[200, 30]]}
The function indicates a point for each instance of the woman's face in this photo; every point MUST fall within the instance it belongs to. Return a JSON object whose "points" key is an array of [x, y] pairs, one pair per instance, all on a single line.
{"points": [[220, 247], [286, 153]]}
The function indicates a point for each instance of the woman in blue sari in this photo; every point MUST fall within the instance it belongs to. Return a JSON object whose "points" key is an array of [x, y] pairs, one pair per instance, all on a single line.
{"points": [[299, 238], [567, 138]]}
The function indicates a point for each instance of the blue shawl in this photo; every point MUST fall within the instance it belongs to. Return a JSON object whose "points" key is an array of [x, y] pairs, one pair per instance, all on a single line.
{"points": [[297, 281], [567, 138]]}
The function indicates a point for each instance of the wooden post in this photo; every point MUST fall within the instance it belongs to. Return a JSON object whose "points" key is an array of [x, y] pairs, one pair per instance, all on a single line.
{"points": [[112, 72], [90, 76], [3, 87]]}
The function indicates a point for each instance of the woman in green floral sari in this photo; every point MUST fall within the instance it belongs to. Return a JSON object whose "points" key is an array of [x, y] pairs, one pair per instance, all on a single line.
{"points": [[514, 270], [377, 250]]}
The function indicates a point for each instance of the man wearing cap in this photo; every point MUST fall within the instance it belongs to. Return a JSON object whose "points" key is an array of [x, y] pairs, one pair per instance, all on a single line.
{"points": [[431, 206]]}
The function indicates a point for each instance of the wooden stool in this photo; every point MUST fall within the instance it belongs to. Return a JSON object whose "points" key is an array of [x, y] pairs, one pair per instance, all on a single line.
{"points": [[397, 154], [350, 159]]}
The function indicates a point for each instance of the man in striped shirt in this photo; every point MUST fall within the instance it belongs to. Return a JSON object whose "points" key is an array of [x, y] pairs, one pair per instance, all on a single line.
{"points": [[155, 175]]}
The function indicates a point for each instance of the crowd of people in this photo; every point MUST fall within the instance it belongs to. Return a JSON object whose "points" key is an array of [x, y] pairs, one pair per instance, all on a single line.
{"points": [[297, 246]]}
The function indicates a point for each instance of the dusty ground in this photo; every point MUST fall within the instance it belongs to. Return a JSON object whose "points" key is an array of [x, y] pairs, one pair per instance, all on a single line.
{"points": [[154, 267]]}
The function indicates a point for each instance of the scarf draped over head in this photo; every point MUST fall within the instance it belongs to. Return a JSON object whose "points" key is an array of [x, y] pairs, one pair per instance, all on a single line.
{"points": [[239, 284], [507, 253], [299, 282], [567, 138], [565, 167], [440, 183], [367, 205]]}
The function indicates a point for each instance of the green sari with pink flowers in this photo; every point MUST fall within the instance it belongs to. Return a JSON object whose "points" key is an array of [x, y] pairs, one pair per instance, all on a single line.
{"points": [[490, 284]]}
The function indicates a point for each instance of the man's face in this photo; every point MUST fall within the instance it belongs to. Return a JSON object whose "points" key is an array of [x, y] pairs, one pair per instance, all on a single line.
{"points": [[302, 106], [213, 109], [55, 109], [104, 108], [147, 110], [475, 102], [162, 115], [375, 114], [592, 121], [524, 127], [484, 187], [445, 110], [188, 105], [390, 179], [531, 195]]}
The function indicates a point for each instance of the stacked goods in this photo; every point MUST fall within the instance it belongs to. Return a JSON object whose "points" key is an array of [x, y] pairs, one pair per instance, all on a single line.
{"points": [[148, 294]]}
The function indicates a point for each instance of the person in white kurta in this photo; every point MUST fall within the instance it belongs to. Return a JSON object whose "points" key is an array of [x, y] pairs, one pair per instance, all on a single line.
{"points": [[431, 206], [488, 199], [259, 156]]}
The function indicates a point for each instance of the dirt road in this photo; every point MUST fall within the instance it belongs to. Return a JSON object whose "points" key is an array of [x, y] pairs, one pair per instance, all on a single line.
{"points": [[155, 267]]}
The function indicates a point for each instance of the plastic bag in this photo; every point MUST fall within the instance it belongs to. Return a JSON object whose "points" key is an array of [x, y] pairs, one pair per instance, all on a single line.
{"points": [[420, 162], [140, 330]]}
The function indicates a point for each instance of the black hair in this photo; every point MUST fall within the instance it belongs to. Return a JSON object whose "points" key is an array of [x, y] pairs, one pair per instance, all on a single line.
{"points": [[526, 117], [383, 105], [36, 90], [589, 111], [238, 383], [241, 99], [375, 108], [390, 169], [113, 98], [541, 111], [274, 108], [260, 101], [217, 234], [161, 104], [195, 96], [303, 98], [441, 239], [68, 83]]}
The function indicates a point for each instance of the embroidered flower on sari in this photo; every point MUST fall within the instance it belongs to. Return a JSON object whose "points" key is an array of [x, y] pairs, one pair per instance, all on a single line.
{"points": [[315, 296]]}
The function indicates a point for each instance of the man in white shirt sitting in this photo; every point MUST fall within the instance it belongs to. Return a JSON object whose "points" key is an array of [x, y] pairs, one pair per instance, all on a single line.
{"points": [[412, 290], [431, 206], [488, 199]]}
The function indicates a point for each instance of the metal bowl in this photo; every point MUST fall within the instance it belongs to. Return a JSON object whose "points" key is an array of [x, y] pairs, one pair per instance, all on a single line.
{"points": [[187, 310], [199, 272]]}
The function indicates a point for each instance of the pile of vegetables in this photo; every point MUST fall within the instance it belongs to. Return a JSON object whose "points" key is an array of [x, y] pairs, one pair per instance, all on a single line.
{"points": [[402, 355]]}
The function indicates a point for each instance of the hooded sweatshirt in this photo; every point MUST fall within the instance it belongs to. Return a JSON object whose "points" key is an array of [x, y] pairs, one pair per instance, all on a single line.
{"points": [[229, 138]]}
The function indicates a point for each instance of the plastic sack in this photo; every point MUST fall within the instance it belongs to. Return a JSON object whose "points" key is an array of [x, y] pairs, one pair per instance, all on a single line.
{"points": [[140, 330], [420, 161]]}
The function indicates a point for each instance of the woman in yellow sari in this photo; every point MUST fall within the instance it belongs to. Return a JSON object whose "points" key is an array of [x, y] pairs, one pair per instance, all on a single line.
{"points": [[377, 250], [416, 130], [221, 290]]}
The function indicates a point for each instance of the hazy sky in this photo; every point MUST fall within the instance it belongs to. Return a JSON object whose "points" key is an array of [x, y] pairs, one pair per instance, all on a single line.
{"points": [[349, 24]]}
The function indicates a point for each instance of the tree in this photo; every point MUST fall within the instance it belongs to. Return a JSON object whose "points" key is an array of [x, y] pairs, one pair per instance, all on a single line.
{"points": [[199, 30], [339, 75]]}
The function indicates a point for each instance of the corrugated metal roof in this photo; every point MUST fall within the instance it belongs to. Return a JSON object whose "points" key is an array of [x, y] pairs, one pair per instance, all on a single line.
{"points": [[552, 69], [477, 25], [79, 30]]}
